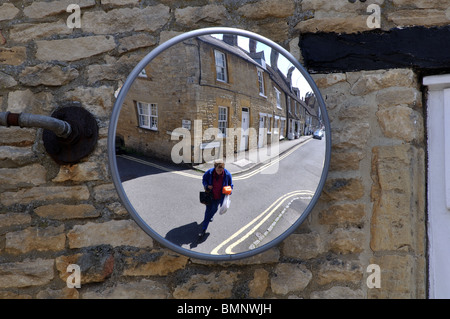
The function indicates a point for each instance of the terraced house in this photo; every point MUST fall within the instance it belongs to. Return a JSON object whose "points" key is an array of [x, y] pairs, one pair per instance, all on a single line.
{"points": [[222, 92]]}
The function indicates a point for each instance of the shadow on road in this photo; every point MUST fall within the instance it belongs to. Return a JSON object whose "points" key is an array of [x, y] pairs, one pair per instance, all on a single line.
{"points": [[186, 235]]}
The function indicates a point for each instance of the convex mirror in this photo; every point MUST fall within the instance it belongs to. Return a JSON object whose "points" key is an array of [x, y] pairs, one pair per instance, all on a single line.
{"points": [[219, 93]]}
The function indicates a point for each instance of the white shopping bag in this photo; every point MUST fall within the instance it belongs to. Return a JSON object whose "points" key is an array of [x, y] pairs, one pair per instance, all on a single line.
{"points": [[225, 205]]}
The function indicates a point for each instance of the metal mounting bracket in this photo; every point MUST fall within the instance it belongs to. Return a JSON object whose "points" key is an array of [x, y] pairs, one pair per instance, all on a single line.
{"points": [[69, 135]]}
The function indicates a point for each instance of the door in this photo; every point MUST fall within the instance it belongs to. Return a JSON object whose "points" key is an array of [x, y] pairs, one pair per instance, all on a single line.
{"points": [[261, 131], [245, 125]]}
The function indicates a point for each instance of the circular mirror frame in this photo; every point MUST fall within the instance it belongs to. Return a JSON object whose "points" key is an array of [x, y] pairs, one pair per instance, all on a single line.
{"points": [[112, 153]]}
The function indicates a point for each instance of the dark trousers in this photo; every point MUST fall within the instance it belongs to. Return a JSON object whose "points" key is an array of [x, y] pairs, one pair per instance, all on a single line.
{"points": [[211, 209]]}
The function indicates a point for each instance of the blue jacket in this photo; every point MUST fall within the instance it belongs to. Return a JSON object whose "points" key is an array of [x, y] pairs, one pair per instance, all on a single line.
{"points": [[208, 176]]}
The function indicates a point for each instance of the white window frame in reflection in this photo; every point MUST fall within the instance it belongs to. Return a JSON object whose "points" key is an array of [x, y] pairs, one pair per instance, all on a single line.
{"points": [[260, 74], [148, 115], [223, 120], [278, 96], [221, 66]]}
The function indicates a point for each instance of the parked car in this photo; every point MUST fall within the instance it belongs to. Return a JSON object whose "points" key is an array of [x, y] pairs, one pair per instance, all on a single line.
{"points": [[318, 134]]}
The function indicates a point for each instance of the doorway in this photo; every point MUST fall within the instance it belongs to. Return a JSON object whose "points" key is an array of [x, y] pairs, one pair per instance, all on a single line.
{"points": [[245, 125]]}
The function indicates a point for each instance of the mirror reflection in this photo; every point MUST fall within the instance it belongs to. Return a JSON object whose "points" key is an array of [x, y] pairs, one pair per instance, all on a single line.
{"points": [[220, 110]]}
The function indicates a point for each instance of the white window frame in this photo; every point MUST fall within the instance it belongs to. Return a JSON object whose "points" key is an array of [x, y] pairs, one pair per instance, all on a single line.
{"points": [[222, 118], [260, 75], [148, 115], [278, 97], [221, 66]]}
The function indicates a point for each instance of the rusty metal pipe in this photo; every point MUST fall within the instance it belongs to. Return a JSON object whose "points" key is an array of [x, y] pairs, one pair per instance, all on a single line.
{"points": [[59, 127]]}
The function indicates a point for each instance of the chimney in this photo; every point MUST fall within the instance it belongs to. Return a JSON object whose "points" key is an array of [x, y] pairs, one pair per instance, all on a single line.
{"points": [[289, 75], [274, 59], [252, 46], [230, 39]]}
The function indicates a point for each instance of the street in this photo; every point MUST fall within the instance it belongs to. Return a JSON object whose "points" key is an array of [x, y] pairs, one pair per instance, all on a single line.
{"points": [[265, 202]]}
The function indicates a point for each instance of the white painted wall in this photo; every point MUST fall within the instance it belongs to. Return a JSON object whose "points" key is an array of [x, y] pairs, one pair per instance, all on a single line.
{"points": [[438, 129]]}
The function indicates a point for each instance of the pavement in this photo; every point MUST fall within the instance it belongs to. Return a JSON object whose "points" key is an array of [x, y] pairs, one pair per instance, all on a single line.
{"points": [[253, 158]]}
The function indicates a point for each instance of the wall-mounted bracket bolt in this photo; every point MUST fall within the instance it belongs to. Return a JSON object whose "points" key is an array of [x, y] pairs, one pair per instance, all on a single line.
{"points": [[69, 135]]}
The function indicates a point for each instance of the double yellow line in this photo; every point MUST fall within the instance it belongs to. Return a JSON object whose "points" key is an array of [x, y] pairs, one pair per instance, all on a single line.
{"points": [[241, 177], [239, 237]]}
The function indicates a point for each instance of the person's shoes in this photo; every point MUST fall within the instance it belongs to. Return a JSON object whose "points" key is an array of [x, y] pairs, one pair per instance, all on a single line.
{"points": [[211, 219], [202, 233]]}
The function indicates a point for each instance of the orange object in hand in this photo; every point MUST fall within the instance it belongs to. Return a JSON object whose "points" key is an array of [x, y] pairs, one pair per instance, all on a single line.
{"points": [[226, 190]]}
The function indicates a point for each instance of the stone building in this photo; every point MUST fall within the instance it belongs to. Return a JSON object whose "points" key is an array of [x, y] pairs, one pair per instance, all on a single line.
{"points": [[206, 83], [382, 68]]}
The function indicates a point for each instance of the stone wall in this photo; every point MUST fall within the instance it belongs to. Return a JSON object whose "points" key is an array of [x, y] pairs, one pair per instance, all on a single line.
{"points": [[371, 210]]}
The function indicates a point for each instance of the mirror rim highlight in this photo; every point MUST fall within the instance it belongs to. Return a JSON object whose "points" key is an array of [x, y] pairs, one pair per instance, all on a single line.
{"points": [[112, 153]]}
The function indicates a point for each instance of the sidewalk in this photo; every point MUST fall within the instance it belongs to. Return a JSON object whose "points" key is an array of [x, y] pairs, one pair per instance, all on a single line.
{"points": [[246, 160]]}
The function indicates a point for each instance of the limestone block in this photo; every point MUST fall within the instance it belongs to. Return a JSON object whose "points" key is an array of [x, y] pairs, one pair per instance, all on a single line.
{"points": [[6, 81], [302, 246], [64, 212], [73, 49], [423, 17], [35, 238], [86, 171], [27, 273], [144, 289], [268, 8], [342, 214], [258, 285], [95, 266], [153, 264], [347, 241], [125, 20], [17, 136], [46, 74], [30, 175], [13, 56], [45, 193], [27, 101], [211, 13], [8, 11], [97, 100], [215, 285], [289, 278], [26, 32], [338, 292], [13, 156], [41, 9], [114, 233], [397, 276], [337, 270], [14, 219], [343, 189]]}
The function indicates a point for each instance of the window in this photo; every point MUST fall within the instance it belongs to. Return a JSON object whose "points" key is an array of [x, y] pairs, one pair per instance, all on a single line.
{"points": [[261, 82], [142, 74], [221, 66], [148, 115], [278, 96], [223, 119]]}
